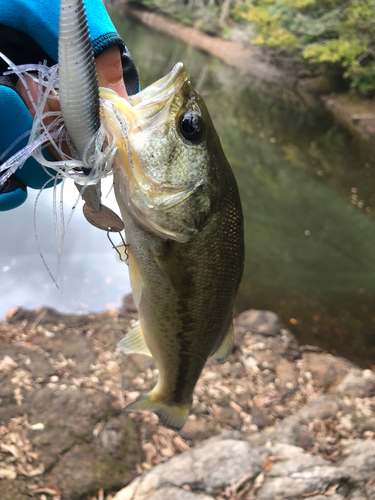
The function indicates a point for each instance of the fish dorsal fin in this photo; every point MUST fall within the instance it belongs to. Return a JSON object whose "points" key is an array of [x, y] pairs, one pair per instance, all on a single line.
{"points": [[173, 416], [134, 342], [226, 347]]}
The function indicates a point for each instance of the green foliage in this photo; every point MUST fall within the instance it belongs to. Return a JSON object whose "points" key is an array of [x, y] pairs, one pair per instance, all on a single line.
{"points": [[324, 32], [329, 34]]}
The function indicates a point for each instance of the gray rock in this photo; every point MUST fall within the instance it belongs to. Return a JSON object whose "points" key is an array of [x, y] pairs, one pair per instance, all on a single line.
{"points": [[298, 475], [360, 460], [361, 495], [108, 462], [290, 431], [259, 418], [214, 464], [322, 407], [365, 424], [357, 383], [168, 493], [13, 490], [324, 497], [68, 415], [266, 323]]}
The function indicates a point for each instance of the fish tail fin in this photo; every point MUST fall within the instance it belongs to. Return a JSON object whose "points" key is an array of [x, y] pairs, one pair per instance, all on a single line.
{"points": [[171, 415]]}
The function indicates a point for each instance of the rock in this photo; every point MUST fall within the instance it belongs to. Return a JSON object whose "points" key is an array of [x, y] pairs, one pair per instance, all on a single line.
{"points": [[128, 307], [357, 383], [229, 416], [287, 374], [322, 407], [210, 466], [326, 370], [265, 323], [73, 346], [298, 475], [360, 460], [324, 497], [108, 462], [39, 365], [365, 424], [168, 493], [198, 429], [259, 418], [64, 374], [291, 431], [13, 490], [68, 415]]}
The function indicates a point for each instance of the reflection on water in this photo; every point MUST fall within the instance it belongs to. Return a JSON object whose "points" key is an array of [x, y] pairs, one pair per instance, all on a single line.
{"points": [[308, 196], [92, 278], [307, 193]]}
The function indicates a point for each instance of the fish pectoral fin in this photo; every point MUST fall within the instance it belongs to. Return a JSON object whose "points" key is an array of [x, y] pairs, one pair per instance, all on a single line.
{"points": [[136, 281], [175, 269], [172, 416], [134, 342], [122, 253], [226, 346]]}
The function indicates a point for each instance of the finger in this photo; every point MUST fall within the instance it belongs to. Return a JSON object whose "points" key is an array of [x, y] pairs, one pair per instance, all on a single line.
{"points": [[109, 71], [50, 105]]}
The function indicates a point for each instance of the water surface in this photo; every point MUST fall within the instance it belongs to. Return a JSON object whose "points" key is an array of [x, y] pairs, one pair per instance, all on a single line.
{"points": [[307, 190]]}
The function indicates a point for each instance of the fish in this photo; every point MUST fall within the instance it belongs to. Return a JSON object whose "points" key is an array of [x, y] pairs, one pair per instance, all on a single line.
{"points": [[181, 209], [183, 224]]}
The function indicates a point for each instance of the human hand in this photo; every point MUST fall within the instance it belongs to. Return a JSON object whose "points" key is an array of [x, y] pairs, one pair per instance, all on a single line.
{"points": [[113, 61]]}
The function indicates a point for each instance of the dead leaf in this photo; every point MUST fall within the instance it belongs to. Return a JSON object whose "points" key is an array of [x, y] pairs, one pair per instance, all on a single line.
{"points": [[8, 474], [49, 490], [331, 490], [12, 312], [10, 449], [235, 406], [271, 460], [179, 444], [7, 363], [33, 472]]}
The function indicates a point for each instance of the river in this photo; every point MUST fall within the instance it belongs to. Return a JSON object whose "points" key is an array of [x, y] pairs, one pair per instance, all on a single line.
{"points": [[308, 195]]}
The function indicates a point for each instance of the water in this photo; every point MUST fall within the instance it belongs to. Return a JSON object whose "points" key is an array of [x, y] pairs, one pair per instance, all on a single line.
{"points": [[308, 196], [92, 278]]}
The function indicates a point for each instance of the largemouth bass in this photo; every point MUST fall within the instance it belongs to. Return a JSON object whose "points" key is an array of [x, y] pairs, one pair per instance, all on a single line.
{"points": [[182, 214], [183, 225]]}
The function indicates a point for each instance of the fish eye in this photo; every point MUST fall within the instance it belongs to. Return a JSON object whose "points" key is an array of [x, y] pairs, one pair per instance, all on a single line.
{"points": [[191, 127]]}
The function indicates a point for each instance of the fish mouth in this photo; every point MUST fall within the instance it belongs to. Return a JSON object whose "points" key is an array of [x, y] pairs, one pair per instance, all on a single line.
{"points": [[141, 109], [161, 89], [155, 98], [136, 191]]}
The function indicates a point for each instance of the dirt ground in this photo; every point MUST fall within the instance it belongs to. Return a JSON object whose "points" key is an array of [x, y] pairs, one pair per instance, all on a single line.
{"points": [[64, 385]]}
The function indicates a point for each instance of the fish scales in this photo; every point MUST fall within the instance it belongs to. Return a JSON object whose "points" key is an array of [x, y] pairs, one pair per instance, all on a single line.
{"points": [[186, 251], [182, 215]]}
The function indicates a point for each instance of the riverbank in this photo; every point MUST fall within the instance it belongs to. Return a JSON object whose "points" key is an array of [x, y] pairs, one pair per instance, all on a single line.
{"points": [[277, 420], [355, 114]]}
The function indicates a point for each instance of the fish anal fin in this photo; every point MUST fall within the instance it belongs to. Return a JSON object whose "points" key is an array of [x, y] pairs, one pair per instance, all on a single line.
{"points": [[226, 346], [171, 416], [134, 342]]}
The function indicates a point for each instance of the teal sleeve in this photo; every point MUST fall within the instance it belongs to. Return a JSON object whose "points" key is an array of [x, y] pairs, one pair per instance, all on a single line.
{"points": [[40, 20], [15, 119]]}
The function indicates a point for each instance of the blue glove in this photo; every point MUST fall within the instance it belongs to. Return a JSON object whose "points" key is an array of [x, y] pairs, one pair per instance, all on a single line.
{"points": [[29, 34]]}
